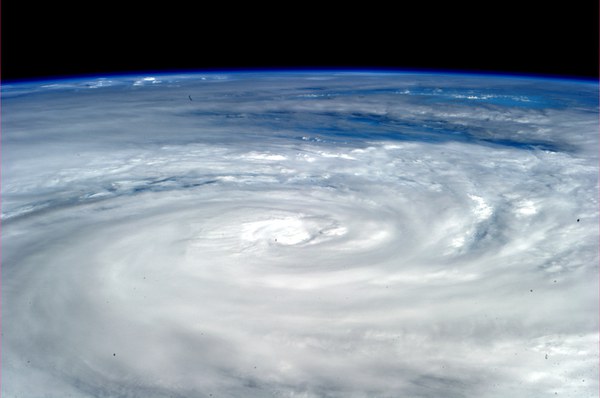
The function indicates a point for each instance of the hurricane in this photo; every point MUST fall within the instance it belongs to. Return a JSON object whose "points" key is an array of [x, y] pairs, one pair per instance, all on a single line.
{"points": [[300, 234]]}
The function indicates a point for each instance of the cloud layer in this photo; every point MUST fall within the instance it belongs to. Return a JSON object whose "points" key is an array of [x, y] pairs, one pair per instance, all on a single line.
{"points": [[315, 235]]}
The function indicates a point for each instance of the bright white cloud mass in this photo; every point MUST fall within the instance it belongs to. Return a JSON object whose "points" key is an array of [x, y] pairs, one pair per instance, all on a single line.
{"points": [[300, 235]]}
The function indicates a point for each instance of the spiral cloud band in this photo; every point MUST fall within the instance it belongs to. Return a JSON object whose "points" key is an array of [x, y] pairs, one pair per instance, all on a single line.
{"points": [[300, 235]]}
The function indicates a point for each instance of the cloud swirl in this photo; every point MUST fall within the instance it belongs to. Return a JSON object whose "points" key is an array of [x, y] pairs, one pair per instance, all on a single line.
{"points": [[314, 235]]}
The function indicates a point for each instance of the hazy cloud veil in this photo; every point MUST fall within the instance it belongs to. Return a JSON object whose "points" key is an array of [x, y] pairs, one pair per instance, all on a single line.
{"points": [[300, 235]]}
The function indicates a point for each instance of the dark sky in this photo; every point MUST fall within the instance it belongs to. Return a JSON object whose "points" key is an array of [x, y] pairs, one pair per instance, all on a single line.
{"points": [[49, 39]]}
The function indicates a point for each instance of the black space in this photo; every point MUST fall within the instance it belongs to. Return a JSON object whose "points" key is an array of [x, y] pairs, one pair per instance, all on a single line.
{"points": [[51, 40]]}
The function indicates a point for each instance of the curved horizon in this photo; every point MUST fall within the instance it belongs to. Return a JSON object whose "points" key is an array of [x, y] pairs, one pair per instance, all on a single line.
{"points": [[301, 69]]}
